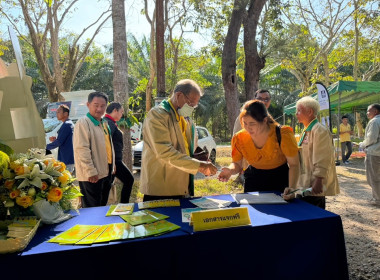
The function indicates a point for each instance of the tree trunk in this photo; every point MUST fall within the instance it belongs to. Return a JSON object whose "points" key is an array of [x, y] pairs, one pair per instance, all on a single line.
{"points": [[120, 73], [160, 48], [229, 62], [359, 125], [152, 65], [326, 68], [253, 62], [357, 34]]}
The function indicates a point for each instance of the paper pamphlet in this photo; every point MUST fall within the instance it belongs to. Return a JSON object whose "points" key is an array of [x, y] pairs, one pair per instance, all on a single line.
{"points": [[123, 209], [110, 210], [113, 232], [186, 213], [258, 198], [74, 234], [157, 228], [210, 203], [143, 217], [89, 239], [159, 203], [87, 235]]}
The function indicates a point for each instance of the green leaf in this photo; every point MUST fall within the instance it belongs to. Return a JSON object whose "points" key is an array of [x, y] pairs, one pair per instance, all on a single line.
{"points": [[5, 148], [4, 161]]}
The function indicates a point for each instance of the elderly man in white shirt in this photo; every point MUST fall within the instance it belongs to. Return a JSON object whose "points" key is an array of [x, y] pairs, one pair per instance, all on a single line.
{"points": [[371, 145]]}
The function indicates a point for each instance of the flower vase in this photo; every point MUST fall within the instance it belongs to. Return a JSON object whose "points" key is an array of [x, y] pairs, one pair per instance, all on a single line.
{"points": [[50, 213]]}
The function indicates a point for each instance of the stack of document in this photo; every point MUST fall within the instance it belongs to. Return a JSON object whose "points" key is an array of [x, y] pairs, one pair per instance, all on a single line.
{"points": [[210, 203], [258, 198]]}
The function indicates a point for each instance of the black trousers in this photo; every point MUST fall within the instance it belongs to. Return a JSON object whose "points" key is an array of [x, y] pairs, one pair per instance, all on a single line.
{"points": [[276, 179], [343, 145], [96, 194], [126, 177]]}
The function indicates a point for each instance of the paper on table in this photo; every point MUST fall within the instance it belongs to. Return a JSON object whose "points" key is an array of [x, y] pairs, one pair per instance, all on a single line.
{"points": [[159, 203], [123, 209], [143, 217], [74, 234], [89, 239], [156, 228], [210, 203], [258, 198], [186, 213]]}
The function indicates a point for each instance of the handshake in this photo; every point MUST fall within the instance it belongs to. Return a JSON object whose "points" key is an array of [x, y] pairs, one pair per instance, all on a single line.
{"points": [[207, 168]]}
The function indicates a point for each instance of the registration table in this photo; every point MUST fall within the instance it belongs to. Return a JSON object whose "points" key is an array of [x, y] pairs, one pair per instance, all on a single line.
{"points": [[285, 241]]}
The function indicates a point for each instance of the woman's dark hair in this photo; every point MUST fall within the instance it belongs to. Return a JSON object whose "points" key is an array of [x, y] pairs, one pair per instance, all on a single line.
{"points": [[257, 110], [112, 106], [94, 94]]}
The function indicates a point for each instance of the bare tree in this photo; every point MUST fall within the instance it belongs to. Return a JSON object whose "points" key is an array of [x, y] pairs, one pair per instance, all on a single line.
{"points": [[44, 20], [326, 20]]}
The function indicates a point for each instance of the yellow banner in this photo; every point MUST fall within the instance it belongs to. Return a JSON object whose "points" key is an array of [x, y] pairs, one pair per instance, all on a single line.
{"points": [[221, 218]]}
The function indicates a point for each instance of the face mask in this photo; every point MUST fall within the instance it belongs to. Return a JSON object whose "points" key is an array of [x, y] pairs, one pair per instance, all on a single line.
{"points": [[186, 110]]}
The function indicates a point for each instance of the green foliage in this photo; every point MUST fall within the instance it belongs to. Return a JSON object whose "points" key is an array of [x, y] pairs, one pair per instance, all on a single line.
{"points": [[4, 161], [5, 148]]}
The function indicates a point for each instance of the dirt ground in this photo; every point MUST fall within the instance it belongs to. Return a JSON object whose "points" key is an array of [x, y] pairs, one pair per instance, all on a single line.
{"points": [[361, 220]]}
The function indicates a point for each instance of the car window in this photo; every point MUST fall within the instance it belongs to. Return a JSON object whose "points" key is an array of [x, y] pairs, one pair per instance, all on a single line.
{"points": [[202, 133], [50, 124]]}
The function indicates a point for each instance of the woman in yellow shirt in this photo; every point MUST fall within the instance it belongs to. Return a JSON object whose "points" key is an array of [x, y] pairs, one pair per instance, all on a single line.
{"points": [[273, 167]]}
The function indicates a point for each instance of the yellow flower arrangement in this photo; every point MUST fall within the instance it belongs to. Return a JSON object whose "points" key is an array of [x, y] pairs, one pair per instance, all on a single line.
{"points": [[29, 178], [55, 194]]}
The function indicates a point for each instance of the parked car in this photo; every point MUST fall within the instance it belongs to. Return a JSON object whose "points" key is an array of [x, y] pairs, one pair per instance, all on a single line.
{"points": [[205, 141]]}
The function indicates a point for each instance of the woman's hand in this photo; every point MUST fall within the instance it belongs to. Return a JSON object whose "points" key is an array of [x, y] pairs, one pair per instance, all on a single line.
{"points": [[225, 174]]}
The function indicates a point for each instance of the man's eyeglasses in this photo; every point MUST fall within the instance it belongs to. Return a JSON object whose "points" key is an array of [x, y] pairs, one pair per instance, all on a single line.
{"points": [[189, 102], [266, 100]]}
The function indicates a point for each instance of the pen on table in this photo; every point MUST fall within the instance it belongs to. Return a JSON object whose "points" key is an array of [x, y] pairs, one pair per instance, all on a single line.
{"points": [[293, 191]]}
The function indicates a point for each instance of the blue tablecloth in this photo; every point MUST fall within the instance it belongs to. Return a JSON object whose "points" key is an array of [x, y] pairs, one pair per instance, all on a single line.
{"points": [[286, 241]]}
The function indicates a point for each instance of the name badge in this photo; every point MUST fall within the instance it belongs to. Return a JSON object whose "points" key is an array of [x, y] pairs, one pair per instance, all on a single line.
{"points": [[221, 218]]}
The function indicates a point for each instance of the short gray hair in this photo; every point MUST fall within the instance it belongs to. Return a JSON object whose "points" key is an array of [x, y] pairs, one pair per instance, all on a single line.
{"points": [[187, 86], [309, 102]]}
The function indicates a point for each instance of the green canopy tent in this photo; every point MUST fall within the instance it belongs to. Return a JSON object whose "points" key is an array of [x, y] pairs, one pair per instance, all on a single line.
{"points": [[349, 95]]}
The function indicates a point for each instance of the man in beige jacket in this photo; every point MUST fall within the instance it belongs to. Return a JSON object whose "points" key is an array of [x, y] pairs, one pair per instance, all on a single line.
{"points": [[319, 175], [93, 152], [168, 168]]}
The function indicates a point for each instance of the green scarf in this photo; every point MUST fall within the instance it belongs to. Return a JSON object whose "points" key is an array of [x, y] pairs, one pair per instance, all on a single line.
{"points": [[308, 128]]}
